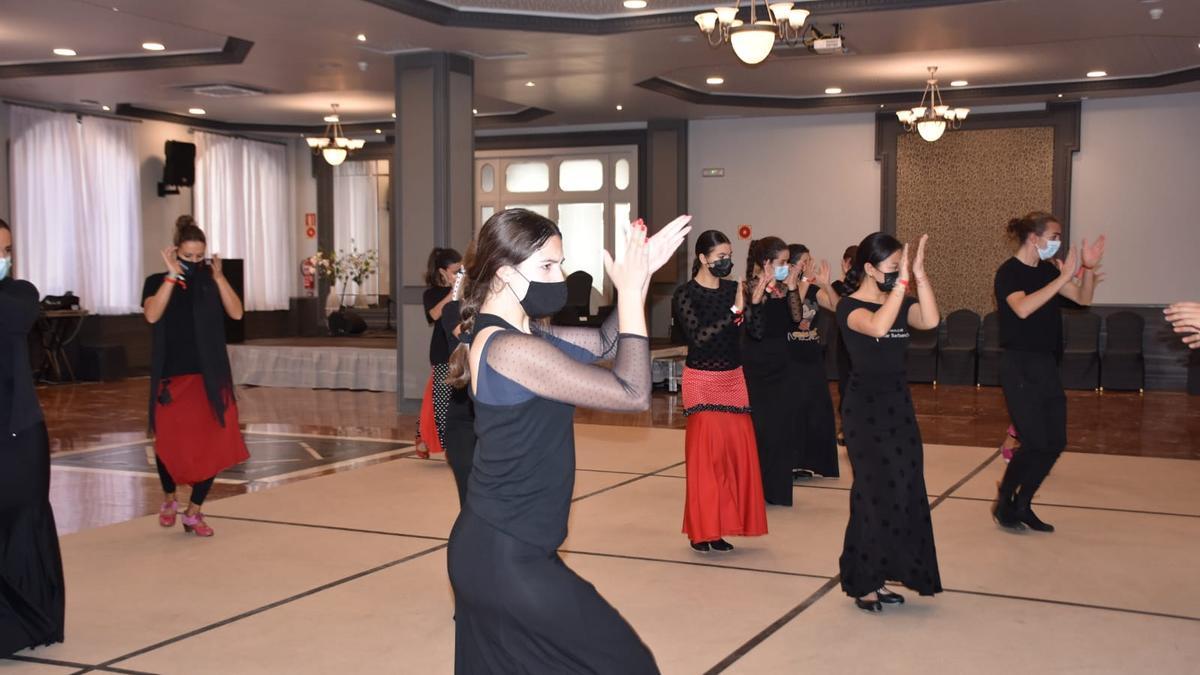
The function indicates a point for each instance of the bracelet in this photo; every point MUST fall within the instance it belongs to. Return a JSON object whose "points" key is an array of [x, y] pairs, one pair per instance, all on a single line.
{"points": [[176, 282], [902, 282], [735, 310]]}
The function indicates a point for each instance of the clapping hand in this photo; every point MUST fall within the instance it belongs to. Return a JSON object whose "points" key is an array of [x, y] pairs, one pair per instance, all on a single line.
{"points": [[1185, 317], [822, 273], [666, 241], [1092, 255], [903, 266], [918, 266]]}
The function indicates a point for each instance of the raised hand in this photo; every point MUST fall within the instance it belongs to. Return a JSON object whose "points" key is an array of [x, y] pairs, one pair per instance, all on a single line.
{"points": [[1071, 265], [822, 273], [169, 257], [666, 241], [632, 274], [904, 263], [918, 266], [739, 300], [217, 271], [1184, 315], [760, 287], [1092, 255]]}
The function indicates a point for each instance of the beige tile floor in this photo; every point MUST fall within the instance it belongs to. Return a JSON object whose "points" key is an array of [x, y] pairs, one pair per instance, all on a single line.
{"points": [[345, 573]]}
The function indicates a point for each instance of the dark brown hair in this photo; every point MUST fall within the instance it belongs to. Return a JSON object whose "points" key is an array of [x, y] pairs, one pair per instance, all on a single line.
{"points": [[186, 230], [874, 249], [761, 249], [508, 238], [851, 251], [1033, 222], [705, 243], [439, 259], [4, 225]]}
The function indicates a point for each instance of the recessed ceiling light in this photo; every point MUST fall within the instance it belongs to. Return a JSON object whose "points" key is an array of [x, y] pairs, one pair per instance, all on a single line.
{"points": [[620, 107], [833, 90], [361, 37], [1060, 95], [64, 51], [959, 83], [105, 108], [635, 4], [530, 84], [379, 131], [197, 111], [153, 46], [715, 80], [1097, 73], [393, 115], [474, 111]]}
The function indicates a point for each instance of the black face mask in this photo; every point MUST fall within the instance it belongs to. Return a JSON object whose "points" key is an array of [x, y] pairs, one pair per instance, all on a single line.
{"points": [[187, 266], [889, 281], [721, 268], [543, 299]]}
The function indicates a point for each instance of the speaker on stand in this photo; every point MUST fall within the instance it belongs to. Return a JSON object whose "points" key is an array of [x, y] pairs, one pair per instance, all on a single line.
{"points": [[179, 167], [235, 331]]}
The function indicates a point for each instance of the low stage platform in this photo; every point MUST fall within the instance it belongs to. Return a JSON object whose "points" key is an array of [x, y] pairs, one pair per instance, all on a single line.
{"points": [[365, 363]]}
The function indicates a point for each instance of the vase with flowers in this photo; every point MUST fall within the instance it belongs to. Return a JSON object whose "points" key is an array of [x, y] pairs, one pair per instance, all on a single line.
{"points": [[344, 268]]}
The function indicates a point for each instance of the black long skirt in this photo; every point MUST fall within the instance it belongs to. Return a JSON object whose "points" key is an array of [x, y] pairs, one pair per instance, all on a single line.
{"points": [[890, 533], [460, 440], [773, 411], [816, 429], [32, 596], [520, 609]]}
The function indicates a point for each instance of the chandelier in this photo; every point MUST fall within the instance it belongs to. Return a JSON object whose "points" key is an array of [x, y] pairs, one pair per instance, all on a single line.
{"points": [[334, 146], [752, 42], [932, 120]]}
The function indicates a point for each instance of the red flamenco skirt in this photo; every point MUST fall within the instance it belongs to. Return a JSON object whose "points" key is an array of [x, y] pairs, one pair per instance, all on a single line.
{"points": [[724, 483], [427, 426], [189, 440]]}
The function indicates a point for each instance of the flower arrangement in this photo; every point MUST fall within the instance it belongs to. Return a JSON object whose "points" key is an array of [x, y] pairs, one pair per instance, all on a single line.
{"points": [[355, 266]]}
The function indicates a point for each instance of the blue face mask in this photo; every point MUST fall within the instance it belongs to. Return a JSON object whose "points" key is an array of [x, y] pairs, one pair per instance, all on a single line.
{"points": [[1052, 247], [781, 272], [5, 267]]}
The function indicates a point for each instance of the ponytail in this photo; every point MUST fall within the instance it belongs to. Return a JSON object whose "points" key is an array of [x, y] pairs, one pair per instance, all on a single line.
{"points": [[874, 249]]}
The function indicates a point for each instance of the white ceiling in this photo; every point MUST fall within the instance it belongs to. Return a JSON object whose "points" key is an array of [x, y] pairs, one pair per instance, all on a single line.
{"points": [[307, 55]]}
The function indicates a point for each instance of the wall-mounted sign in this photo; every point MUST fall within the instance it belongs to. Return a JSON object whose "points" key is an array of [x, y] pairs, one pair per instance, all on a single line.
{"points": [[713, 173]]}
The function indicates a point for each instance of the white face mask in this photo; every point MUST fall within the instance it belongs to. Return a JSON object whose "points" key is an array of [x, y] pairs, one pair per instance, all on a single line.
{"points": [[1052, 247], [5, 267]]}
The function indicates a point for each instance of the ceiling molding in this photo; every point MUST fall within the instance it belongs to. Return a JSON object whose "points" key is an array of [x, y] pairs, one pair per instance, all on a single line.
{"points": [[442, 15], [1048, 89], [128, 110], [234, 52]]}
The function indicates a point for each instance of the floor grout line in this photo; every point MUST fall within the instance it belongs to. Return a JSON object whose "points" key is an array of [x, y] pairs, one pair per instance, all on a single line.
{"points": [[748, 646], [85, 667], [626, 482], [265, 608], [693, 563], [1069, 603]]}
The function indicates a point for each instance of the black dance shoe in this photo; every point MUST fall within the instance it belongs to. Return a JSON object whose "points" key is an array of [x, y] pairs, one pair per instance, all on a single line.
{"points": [[868, 605], [889, 598], [721, 545], [1028, 517], [701, 547], [1004, 512], [803, 474]]}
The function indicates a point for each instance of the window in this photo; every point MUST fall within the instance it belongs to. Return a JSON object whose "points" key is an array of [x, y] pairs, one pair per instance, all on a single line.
{"points": [[582, 227], [487, 178], [621, 174], [527, 177], [580, 175]]}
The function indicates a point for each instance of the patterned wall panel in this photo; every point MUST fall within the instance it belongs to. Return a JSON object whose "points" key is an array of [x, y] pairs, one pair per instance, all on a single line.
{"points": [[961, 191]]}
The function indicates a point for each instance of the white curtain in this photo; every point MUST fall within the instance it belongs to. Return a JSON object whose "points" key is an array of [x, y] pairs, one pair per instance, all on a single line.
{"points": [[76, 207], [356, 219], [241, 195]]}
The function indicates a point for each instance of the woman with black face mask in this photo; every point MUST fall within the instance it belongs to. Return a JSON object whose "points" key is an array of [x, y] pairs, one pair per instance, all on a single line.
{"points": [[32, 595], [724, 484], [890, 535], [193, 413], [815, 436], [518, 608]]}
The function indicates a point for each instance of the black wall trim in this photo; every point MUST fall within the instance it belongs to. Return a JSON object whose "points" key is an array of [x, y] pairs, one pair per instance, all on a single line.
{"points": [[234, 52], [1063, 117], [129, 110], [433, 12], [907, 98]]}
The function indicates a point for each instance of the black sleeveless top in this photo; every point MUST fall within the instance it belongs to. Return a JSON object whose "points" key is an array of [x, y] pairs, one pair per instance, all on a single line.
{"points": [[525, 395]]}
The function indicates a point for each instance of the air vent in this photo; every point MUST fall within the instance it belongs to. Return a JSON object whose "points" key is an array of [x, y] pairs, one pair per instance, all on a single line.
{"points": [[223, 90]]}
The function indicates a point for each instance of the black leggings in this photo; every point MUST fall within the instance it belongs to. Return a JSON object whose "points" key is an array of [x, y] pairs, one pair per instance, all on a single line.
{"points": [[199, 490], [1038, 408]]}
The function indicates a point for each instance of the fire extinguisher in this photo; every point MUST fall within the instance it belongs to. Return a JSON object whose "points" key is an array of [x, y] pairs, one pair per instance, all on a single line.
{"points": [[309, 272]]}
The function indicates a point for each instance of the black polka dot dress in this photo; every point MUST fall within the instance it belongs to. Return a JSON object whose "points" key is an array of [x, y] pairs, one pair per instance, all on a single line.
{"points": [[890, 534]]}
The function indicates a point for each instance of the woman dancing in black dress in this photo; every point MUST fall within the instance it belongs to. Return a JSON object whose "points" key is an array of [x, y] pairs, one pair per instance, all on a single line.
{"points": [[32, 598], [816, 453], [518, 608], [890, 534]]}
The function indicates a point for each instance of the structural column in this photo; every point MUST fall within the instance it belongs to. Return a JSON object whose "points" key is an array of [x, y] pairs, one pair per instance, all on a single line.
{"points": [[433, 196]]}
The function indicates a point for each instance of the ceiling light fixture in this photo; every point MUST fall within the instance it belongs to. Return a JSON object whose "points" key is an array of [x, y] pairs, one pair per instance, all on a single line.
{"points": [[635, 4], [105, 108], [931, 120], [1097, 73], [334, 146], [833, 90], [620, 107], [153, 46], [530, 84], [64, 51], [753, 41], [474, 111], [393, 115], [959, 83], [379, 131], [361, 37], [197, 111], [715, 80]]}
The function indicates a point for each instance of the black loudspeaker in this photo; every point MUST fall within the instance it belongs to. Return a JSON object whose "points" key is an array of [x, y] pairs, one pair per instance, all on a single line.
{"points": [[180, 166], [235, 331]]}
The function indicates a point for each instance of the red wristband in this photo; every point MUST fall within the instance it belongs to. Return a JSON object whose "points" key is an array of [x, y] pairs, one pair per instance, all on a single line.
{"points": [[902, 282]]}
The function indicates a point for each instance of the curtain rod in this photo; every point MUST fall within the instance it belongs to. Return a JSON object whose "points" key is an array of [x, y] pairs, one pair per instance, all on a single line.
{"points": [[192, 130], [49, 107]]}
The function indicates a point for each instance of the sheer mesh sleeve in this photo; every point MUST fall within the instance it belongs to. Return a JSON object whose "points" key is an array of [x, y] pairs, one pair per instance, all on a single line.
{"points": [[755, 326], [600, 343], [549, 372], [796, 305]]}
